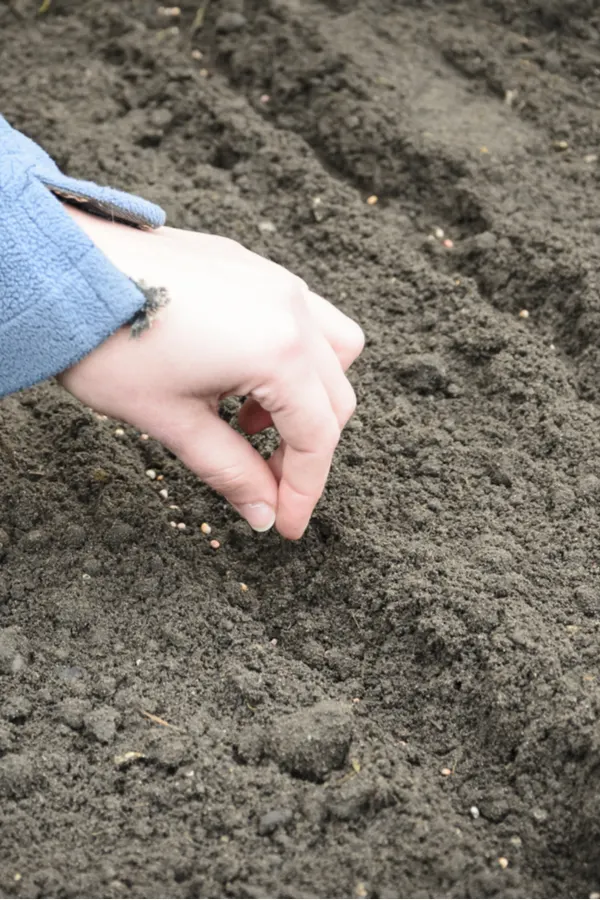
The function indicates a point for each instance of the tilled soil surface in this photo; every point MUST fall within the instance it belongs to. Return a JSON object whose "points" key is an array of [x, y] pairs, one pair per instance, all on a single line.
{"points": [[405, 703]]}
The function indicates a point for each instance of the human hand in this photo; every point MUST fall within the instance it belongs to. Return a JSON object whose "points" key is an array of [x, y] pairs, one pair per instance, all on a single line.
{"points": [[236, 324]]}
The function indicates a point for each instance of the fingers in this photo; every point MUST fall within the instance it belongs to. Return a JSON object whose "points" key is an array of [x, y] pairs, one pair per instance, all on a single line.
{"points": [[303, 415], [344, 335], [224, 460], [337, 336]]}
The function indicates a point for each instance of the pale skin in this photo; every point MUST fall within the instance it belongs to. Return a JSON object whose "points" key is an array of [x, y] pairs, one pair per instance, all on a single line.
{"points": [[236, 324]]}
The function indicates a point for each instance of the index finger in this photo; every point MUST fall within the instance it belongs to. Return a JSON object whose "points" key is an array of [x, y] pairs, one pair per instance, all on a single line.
{"points": [[303, 415]]}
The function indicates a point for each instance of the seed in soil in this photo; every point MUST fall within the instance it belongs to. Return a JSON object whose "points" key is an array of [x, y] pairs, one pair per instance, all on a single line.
{"points": [[181, 526], [243, 587], [197, 54], [151, 473], [448, 244], [144, 437], [163, 493], [372, 200], [119, 432], [264, 98], [205, 528], [590, 158], [503, 862], [160, 477], [215, 545], [524, 314], [560, 145], [446, 771], [438, 233], [173, 506], [169, 12], [203, 73], [474, 812], [173, 524]]}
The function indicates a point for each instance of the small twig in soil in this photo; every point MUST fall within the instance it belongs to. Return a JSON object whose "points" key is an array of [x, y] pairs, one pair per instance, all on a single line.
{"points": [[199, 17], [157, 720]]}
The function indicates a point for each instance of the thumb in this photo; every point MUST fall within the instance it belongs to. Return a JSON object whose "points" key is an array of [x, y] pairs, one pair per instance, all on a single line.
{"points": [[225, 461]]}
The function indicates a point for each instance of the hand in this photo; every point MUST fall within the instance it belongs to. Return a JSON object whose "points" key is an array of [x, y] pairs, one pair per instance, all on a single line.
{"points": [[236, 325]]}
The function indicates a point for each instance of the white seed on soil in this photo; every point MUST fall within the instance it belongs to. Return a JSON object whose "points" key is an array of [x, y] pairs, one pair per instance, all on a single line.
{"points": [[151, 473], [181, 526], [474, 812], [215, 545], [173, 524], [446, 771], [173, 506], [243, 587], [524, 314], [119, 432], [197, 54], [164, 493], [206, 529], [438, 233], [144, 437], [503, 862]]}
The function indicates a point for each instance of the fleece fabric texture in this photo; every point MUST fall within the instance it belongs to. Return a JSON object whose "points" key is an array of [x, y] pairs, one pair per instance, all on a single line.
{"points": [[60, 297]]}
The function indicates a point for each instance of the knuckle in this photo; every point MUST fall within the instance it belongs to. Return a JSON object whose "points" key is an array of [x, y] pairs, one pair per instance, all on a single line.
{"points": [[329, 434], [357, 339], [229, 480], [348, 404]]}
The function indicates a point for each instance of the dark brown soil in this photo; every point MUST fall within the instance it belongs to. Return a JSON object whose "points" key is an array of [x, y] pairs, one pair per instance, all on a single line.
{"points": [[450, 577]]}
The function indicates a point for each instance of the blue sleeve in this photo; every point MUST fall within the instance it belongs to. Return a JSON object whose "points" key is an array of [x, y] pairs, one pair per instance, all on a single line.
{"points": [[60, 297]]}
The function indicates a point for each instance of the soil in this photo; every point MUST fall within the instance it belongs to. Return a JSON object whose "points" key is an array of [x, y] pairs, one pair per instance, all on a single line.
{"points": [[405, 703]]}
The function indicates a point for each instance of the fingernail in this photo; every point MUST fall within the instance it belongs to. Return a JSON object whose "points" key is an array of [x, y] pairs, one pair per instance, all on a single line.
{"points": [[259, 516]]}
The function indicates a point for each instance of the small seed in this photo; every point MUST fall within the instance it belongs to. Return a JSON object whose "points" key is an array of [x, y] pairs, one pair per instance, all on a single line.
{"points": [[446, 771], [181, 526], [356, 699], [474, 811], [448, 244], [264, 98], [197, 54], [273, 642], [119, 432], [560, 145], [100, 417], [164, 493], [243, 587], [438, 233], [524, 314], [503, 862], [372, 200], [144, 437], [151, 473], [203, 73], [205, 528], [215, 545], [160, 477], [173, 524], [590, 158], [509, 97], [174, 506], [169, 12]]}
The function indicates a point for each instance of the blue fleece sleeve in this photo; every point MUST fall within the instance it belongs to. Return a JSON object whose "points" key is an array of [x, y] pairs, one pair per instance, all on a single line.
{"points": [[60, 297]]}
